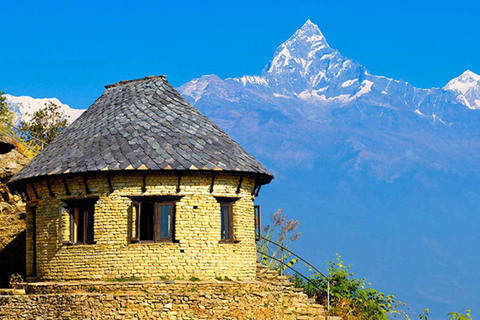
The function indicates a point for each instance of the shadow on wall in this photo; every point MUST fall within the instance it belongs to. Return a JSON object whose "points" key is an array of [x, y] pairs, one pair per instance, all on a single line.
{"points": [[12, 259]]}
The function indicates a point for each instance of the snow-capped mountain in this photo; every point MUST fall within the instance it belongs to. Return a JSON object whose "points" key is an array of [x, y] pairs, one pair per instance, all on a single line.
{"points": [[25, 106], [467, 88], [308, 88], [375, 168]]}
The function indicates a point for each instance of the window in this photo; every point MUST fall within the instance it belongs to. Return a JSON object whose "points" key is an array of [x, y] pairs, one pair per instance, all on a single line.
{"points": [[226, 219], [153, 220], [258, 225], [76, 222]]}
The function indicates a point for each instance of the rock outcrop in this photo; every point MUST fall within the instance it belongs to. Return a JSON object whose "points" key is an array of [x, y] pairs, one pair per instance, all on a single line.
{"points": [[12, 214]]}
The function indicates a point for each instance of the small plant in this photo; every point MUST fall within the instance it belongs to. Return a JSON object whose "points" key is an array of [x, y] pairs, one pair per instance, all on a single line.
{"points": [[223, 278], [461, 316], [193, 278], [92, 289], [124, 279], [424, 314], [15, 281], [281, 231]]}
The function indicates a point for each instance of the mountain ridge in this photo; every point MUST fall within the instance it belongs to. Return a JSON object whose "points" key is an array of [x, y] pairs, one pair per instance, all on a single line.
{"points": [[25, 106], [309, 84]]}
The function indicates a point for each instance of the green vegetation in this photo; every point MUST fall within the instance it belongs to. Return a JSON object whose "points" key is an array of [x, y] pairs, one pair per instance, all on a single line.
{"points": [[45, 124], [223, 279], [193, 278], [6, 115], [281, 231], [461, 316], [16, 280], [350, 297], [42, 128], [124, 279]]}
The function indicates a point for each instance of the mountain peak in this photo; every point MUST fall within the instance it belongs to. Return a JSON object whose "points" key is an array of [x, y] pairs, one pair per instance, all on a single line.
{"points": [[310, 27], [311, 31], [306, 44], [464, 82], [469, 75], [468, 85]]}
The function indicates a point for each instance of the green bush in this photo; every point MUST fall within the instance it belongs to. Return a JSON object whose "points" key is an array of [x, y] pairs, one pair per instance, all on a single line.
{"points": [[350, 298]]}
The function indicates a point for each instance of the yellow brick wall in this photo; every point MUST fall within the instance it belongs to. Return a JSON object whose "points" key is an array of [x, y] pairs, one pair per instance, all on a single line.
{"points": [[196, 252]]}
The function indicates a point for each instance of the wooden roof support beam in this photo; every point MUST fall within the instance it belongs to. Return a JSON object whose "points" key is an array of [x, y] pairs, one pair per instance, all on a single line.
{"points": [[178, 183], [240, 184], [35, 191], [50, 191], [212, 183], [67, 191], [144, 183], [85, 182], [110, 186]]}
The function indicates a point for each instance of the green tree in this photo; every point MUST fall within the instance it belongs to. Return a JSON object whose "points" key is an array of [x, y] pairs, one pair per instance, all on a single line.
{"points": [[6, 115], [45, 124]]}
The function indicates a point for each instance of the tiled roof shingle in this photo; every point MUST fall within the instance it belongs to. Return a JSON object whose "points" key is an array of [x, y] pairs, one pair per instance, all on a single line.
{"points": [[146, 125]]}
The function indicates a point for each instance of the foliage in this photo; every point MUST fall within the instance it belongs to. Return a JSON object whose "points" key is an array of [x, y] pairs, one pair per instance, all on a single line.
{"points": [[424, 314], [281, 231], [45, 124], [124, 279], [6, 115], [15, 280], [350, 298], [461, 316]]}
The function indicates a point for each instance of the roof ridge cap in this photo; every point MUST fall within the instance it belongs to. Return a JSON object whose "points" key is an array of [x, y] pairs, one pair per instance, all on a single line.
{"points": [[123, 82]]}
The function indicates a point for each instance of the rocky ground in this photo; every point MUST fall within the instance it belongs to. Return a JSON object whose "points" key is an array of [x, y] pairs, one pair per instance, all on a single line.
{"points": [[12, 219]]}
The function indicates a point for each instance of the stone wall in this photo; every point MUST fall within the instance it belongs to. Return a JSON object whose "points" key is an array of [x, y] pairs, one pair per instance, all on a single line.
{"points": [[196, 252], [274, 299]]}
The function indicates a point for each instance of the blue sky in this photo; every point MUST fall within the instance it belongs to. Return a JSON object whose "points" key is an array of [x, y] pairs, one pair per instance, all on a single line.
{"points": [[69, 51]]}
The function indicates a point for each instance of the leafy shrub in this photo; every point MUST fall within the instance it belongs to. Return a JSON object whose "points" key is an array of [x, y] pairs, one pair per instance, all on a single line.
{"points": [[461, 316], [350, 298]]}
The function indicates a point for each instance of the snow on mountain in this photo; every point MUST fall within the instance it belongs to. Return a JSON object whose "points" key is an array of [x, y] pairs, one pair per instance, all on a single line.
{"points": [[25, 106], [381, 163], [467, 86], [307, 85]]}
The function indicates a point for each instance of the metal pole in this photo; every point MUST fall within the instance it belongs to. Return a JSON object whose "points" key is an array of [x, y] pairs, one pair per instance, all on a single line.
{"points": [[328, 295], [283, 263]]}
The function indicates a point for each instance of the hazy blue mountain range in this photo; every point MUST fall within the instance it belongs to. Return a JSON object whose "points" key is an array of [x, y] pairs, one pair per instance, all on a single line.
{"points": [[376, 169], [382, 172]]}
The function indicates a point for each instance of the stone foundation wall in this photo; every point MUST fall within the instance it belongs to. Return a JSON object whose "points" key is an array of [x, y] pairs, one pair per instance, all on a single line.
{"points": [[161, 300], [197, 251]]}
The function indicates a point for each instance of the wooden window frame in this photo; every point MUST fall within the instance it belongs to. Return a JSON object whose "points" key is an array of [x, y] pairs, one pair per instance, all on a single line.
{"points": [[72, 205], [158, 202], [33, 210], [228, 202], [258, 223], [229, 205]]}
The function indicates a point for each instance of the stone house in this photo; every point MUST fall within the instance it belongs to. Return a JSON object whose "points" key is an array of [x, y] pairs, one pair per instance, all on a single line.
{"points": [[141, 185]]}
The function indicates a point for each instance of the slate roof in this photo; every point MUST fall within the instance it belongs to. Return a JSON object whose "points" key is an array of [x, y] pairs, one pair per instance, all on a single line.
{"points": [[142, 124]]}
